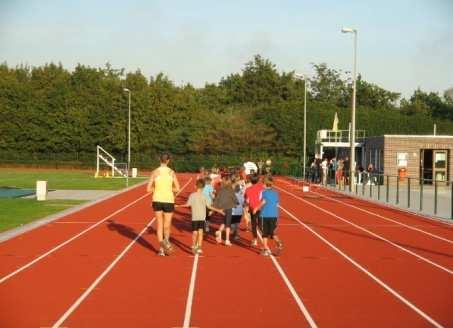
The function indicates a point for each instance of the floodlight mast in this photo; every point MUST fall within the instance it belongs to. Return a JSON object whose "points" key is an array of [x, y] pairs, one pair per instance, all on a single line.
{"points": [[303, 77], [352, 136], [128, 132]]}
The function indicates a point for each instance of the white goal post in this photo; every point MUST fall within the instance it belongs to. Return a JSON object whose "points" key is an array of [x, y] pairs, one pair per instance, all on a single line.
{"points": [[104, 157]]}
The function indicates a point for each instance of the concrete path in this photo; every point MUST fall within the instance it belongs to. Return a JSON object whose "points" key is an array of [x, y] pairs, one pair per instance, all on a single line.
{"points": [[77, 194]]}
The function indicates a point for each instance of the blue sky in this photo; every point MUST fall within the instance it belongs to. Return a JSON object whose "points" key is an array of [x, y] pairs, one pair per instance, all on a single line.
{"points": [[402, 44]]}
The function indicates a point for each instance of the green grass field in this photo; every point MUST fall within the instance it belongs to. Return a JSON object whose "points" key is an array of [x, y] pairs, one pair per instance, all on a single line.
{"points": [[16, 211], [61, 179]]}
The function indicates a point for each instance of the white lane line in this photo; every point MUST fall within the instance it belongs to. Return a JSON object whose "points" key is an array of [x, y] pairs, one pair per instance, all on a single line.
{"points": [[371, 233], [98, 280], [29, 264], [368, 273], [386, 218], [387, 206], [39, 258], [106, 271], [188, 312], [293, 292]]}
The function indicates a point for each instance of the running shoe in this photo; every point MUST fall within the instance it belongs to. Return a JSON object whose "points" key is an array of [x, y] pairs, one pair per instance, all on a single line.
{"points": [[194, 249], [227, 243], [279, 245], [266, 252], [254, 243], [167, 246], [199, 251], [161, 252]]}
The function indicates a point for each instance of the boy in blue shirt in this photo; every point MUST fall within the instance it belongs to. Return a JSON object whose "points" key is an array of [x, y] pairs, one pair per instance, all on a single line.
{"points": [[269, 216]]}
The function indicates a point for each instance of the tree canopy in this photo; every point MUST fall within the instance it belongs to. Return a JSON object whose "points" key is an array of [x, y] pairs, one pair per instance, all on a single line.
{"points": [[51, 112]]}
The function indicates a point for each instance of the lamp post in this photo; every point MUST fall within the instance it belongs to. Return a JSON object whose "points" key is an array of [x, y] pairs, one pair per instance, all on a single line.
{"points": [[300, 76], [354, 78], [128, 132]]}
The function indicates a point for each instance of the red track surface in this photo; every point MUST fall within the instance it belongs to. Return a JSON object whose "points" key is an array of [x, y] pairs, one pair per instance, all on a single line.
{"points": [[346, 266]]}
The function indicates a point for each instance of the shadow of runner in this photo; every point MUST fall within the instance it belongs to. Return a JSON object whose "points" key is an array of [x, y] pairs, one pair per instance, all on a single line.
{"points": [[129, 233], [185, 248]]}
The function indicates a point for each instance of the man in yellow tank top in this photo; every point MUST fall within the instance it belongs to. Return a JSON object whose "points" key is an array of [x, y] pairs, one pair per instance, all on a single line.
{"points": [[163, 184]]}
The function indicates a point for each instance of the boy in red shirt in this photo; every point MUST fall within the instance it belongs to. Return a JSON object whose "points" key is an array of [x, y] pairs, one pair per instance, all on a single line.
{"points": [[253, 198]]}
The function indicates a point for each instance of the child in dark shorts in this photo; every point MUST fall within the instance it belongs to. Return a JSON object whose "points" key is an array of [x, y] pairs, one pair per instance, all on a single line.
{"points": [[268, 217], [238, 211], [198, 203], [225, 200], [208, 191]]}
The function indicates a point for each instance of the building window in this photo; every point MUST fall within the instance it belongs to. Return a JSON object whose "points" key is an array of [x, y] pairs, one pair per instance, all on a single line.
{"points": [[401, 159]]}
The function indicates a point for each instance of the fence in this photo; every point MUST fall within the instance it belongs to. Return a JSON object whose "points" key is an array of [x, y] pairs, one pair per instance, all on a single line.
{"points": [[425, 196]]}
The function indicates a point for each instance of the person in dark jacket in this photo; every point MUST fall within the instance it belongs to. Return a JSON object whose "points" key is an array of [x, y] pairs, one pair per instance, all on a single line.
{"points": [[225, 200]]}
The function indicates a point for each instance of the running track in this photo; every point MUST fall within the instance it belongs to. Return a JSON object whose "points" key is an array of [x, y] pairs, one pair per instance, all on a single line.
{"points": [[346, 262]]}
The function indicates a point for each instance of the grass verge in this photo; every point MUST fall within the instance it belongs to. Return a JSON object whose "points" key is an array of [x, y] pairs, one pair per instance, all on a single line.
{"points": [[15, 212], [61, 179]]}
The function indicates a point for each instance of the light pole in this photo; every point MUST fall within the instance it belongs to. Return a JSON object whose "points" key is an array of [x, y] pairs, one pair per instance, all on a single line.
{"points": [[354, 78], [128, 132], [305, 122]]}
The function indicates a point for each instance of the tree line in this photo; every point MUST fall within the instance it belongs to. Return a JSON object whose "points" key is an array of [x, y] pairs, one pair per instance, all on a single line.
{"points": [[52, 114]]}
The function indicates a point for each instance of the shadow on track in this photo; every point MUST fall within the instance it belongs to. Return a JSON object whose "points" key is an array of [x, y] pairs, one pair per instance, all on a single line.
{"points": [[129, 233]]}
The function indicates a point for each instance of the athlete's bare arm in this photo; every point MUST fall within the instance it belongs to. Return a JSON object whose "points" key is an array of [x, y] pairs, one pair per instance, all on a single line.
{"points": [[176, 186], [150, 186]]}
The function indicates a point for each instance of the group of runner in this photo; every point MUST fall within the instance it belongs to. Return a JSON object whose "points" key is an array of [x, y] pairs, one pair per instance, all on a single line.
{"points": [[233, 194]]}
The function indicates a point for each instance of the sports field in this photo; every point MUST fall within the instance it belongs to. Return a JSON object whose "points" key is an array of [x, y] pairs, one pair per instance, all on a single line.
{"points": [[61, 179], [346, 262], [15, 212]]}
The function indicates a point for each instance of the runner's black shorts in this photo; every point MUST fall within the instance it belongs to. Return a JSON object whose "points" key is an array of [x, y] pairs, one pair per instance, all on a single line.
{"points": [[197, 225], [228, 216], [165, 207], [268, 226], [235, 219]]}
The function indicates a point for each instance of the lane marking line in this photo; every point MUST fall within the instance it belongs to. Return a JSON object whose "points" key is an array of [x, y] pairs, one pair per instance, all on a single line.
{"points": [[293, 292], [371, 233], [98, 280], [188, 311], [368, 273], [106, 271], [417, 215], [39, 258], [384, 217], [2, 280]]}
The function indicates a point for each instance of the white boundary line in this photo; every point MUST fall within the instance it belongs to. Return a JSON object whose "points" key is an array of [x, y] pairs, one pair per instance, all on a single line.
{"points": [[188, 312], [106, 271], [368, 273], [29, 264], [419, 215], [98, 280], [371, 233], [385, 218], [293, 292]]}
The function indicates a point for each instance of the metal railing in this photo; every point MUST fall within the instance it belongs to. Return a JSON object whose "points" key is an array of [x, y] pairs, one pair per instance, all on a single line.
{"points": [[425, 196], [339, 136]]}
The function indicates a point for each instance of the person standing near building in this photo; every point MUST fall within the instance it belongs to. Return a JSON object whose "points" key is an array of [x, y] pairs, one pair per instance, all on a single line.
{"points": [[163, 184], [324, 171]]}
